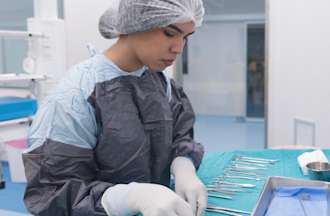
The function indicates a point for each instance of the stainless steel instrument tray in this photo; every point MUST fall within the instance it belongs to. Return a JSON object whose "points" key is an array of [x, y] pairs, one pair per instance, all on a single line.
{"points": [[276, 181]]}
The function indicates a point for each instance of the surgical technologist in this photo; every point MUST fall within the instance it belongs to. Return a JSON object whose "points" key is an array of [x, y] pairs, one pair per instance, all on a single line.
{"points": [[106, 141]]}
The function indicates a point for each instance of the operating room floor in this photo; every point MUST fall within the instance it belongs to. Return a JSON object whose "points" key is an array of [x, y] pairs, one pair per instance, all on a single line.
{"points": [[11, 198], [229, 133], [215, 133]]}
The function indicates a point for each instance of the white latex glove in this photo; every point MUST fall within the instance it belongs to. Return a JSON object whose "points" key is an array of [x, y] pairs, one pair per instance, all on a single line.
{"points": [[188, 185], [145, 198]]}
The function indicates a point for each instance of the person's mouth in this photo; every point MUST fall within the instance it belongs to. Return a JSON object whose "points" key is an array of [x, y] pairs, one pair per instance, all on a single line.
{"points": [[168, 62]]}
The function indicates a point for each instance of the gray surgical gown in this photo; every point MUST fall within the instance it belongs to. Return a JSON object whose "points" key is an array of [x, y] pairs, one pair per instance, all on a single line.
{"points": [[103, 126]]}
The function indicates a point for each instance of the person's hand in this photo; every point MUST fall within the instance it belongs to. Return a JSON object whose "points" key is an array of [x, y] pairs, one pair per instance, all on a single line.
{"points": [[188, 185], [148, 199]]}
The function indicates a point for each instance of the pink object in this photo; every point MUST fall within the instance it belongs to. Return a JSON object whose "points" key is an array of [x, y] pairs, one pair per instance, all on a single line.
{"points": [[18, 143], [15, 149]]}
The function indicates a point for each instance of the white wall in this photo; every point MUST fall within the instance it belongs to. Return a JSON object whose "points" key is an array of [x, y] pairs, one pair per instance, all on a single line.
{"points": [[217, 52], [225, 7], [216, 80], [216, 83], [81, 18], [299, 72]]}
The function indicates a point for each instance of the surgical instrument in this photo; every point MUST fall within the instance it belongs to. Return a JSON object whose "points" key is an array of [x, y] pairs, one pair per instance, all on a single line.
{"points": [[244, 185], [242, 174], [228, 209], [301, 199], [241, 177], [229, 191], [219, 196], [243, 171], [222, 212], [259, 159], [245, 163], [248, 167]]}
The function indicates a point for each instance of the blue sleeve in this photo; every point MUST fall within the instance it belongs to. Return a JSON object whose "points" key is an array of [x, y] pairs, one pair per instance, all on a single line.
{"points": [[66, 115]]}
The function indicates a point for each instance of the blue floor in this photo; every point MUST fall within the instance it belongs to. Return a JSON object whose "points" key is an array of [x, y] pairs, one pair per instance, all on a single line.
{"points": [[229, 133], [11, 198], [215, 133]]}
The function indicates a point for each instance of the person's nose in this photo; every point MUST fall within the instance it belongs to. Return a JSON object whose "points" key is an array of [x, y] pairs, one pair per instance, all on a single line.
{"points": [[178, 46]]}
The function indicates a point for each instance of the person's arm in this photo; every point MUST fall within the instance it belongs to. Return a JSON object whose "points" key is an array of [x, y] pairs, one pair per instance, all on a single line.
{"points": [[183, 129], [60, 166], [61, 181], [187, 154]]}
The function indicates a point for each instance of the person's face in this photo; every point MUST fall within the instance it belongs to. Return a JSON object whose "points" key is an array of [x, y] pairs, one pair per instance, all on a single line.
{"points": [[158, 48]]}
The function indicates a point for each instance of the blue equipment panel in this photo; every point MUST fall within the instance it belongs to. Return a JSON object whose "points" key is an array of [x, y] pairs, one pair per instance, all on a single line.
{"points": [[16, 107]]}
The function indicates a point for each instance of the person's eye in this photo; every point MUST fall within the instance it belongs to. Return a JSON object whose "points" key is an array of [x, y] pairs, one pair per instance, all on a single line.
{"points": [[168, 33]]}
